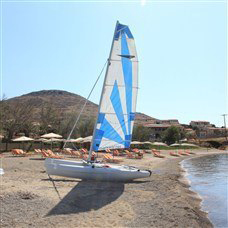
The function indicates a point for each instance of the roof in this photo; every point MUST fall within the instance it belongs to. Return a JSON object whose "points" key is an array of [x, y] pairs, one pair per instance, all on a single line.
{"points": [[200, 121]]}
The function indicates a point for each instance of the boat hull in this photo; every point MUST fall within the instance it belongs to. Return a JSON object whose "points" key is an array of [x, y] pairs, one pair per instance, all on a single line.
{"points": [[95, 171]]}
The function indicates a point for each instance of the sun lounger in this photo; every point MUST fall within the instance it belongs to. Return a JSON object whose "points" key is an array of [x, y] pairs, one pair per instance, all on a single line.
{"points": [[75, 153], [154, 150], [18, 152], [109, 158], [139, 155], [50, 154], [189, 152], [174, 154], [135, 150], [180, 152], [158, 155], [37, 151], [129, 154], [116, 153], [84, 151]]}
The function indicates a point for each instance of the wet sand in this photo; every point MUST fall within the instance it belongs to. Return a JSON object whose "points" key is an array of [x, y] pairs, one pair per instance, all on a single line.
{"points": [[29, 199]]}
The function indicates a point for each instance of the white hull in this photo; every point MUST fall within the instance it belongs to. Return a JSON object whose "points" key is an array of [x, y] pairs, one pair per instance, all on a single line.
{"points": [[96, 171]]}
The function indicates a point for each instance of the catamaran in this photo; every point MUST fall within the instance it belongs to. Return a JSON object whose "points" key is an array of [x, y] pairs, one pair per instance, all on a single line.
{"points": [[115, 119]]}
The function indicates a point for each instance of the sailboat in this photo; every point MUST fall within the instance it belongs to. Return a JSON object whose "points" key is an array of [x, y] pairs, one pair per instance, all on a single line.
{"points": [[115, 119]]}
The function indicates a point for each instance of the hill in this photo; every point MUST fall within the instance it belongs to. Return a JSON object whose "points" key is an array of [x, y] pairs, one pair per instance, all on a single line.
{"points": [[65, 102]]}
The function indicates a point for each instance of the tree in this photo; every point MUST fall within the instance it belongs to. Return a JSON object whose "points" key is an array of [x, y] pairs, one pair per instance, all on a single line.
{"points": [[50, 118], [86, 127], [171, 135], [15, 118], [141, 133]]}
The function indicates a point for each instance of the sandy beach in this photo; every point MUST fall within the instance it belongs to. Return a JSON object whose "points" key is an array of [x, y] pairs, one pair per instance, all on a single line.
{"points": [[29, 199]]}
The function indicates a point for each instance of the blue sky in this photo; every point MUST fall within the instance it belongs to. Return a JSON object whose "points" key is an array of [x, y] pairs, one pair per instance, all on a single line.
{"points": [[63, 45]]}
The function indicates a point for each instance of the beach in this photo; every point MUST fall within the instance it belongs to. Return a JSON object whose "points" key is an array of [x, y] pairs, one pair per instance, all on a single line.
{"points": [[30, 199]]}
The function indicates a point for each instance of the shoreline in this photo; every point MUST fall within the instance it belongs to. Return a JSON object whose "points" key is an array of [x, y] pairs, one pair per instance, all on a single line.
{"points": [[163, 200], [188, 181]]}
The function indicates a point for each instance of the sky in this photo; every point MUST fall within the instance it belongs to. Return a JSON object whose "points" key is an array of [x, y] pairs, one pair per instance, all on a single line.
{"points": [[181, 45]]}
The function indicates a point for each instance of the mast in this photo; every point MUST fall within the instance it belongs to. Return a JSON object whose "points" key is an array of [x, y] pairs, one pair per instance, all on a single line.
{"points": [[106, 73]]}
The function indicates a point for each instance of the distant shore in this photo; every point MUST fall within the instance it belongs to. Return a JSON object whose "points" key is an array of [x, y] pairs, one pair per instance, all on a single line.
{"points": [[29, 198]]}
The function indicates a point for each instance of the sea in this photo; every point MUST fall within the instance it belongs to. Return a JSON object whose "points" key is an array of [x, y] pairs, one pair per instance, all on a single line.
{"points": [[208, 176]]}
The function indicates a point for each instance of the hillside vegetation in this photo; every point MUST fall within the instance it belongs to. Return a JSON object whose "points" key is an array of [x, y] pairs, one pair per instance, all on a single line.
{"points": [[50, 110]]}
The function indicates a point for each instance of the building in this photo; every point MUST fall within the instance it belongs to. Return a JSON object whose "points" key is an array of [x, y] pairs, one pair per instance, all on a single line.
{"points": [[200, 124], [159, 126]]}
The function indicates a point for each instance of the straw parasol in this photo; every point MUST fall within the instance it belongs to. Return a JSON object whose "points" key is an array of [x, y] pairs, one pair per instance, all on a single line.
{"points": [[70, 140], [87, 139], [135, 143], [50, 136], [78, 140], [147, 142], [22, 139], [175, 144], [188, 144], [159, 144]]}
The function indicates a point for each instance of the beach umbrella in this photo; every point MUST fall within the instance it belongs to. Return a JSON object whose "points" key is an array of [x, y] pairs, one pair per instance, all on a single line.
{"points": [[78, 140], [54, 140], [22, 139], [87, 139], [51, 140], [159, 144], [175, 144], [188, 144], [41, 140], [183, 140], [50, 136], [147, 142], [70, 140], [135, 143]]}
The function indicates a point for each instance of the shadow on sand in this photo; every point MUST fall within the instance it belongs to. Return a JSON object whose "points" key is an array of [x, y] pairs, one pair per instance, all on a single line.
{"points": [[86, 196]]}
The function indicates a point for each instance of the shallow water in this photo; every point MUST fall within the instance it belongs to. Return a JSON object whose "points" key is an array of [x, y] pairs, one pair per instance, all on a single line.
{"points": [[209, 177]]}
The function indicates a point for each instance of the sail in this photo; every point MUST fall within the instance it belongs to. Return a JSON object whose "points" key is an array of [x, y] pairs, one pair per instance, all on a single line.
{"points": [[117, 107]]}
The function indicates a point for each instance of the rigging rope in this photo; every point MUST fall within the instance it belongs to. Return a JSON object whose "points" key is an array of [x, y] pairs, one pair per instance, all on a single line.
{"points": [[79, 115]]}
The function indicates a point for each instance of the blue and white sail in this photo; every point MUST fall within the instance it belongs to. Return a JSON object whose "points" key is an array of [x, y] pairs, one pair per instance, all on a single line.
{"points": [[117, 106]]}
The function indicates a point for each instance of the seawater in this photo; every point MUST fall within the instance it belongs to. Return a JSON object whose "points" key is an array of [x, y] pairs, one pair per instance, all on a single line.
{"points": [[209, 178]]}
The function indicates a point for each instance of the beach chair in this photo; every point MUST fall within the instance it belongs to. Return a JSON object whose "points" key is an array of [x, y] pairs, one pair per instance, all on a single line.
{"points": [[108, 150], [37, 151], [139, 155], [67, 151], [129, 154], [156, 151], [158, 154], [50, 154], [44, 154], [75, 153], [174, 154], [18, 152], [180, 152], [135, 150], [84, 156], [109, 158], [189, 152], [116, 153], [84, 151]]}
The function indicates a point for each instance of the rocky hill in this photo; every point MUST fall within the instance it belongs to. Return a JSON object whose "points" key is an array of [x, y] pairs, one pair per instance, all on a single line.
{"points": [[65, 102]]}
